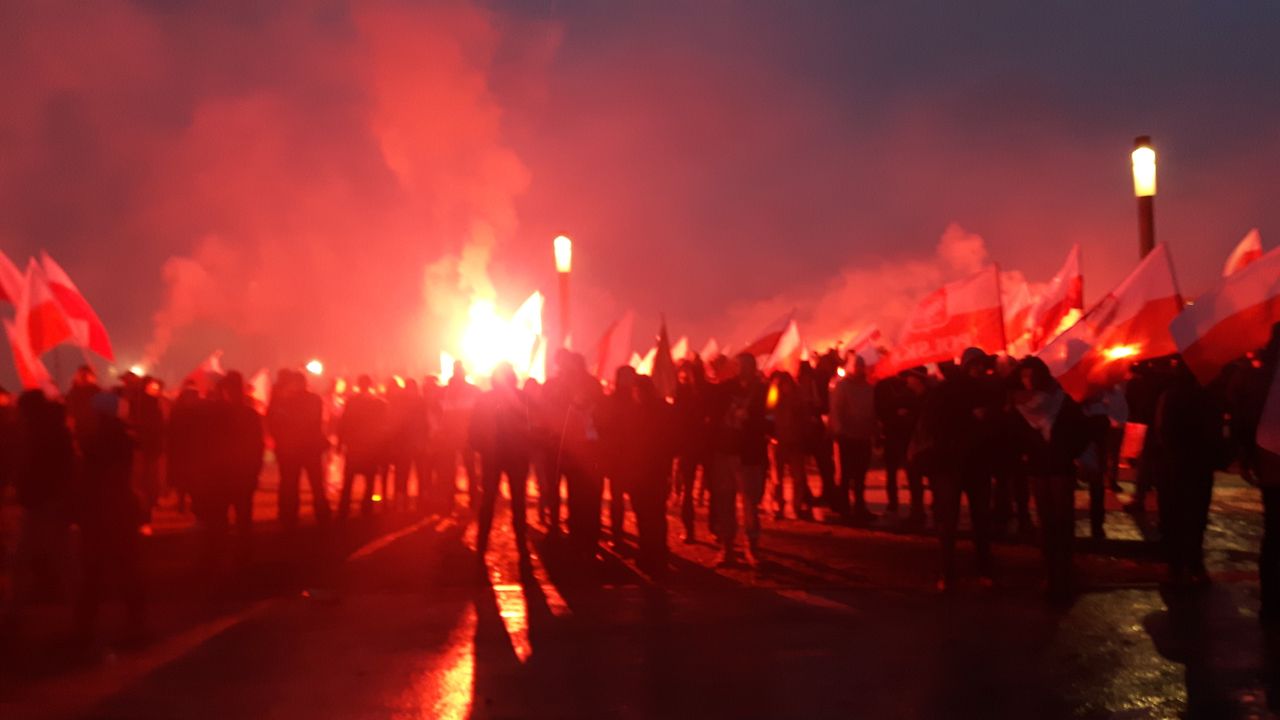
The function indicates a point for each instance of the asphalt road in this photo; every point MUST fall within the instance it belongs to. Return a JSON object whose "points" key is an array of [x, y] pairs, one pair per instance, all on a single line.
{"points": [[399, 619]]}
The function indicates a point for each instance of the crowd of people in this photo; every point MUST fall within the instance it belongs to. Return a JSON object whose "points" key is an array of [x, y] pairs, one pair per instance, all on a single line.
{"points": [[994, 433]]}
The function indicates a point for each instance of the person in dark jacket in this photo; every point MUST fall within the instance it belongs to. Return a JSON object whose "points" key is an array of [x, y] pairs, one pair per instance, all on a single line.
{"points": [[1053, 433], [1248, 395], [790, 414], [295, 419], [500, 432], [692, 449], [44, 465], [964, 432], [79, 398], [815, 383], [1189, 446], [572, 397], [855, 428], [362, 435], [109, 514], [899, 401], [740, 441], [236, 461], [187, 462]]}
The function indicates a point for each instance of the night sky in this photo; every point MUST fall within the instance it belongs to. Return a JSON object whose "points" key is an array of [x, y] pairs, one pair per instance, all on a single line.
{"points": [[330, 178]]}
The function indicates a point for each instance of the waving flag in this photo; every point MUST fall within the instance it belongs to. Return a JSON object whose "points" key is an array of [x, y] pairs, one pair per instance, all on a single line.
{"points": [[768, 340], [962, 314], [664, 370], [31, 372], [86, 329], [11, 281], [1131, 323], [1232, 318], [1249, 250], [710, 350], [614, 347], [680, 351], [1019, 316], [786, 352], [1061, 303], [868, 345], [39, 315]]}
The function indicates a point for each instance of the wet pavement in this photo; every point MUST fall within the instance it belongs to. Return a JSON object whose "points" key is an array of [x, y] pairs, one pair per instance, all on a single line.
{"points": [[398, 618]]}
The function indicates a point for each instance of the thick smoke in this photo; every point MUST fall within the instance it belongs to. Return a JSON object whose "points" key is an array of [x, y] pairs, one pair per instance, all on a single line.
{"points": [[289, 168], [881, 293]]}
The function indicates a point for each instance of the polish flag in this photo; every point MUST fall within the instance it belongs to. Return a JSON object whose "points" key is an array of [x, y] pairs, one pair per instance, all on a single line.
{"points": [[786, 352], [1249, 249], [538, 368], [1019, 312], [1231, 319], [614, 347], [962, 314], [868, 345], [209, 371], [680, 350], [710, 350], [768, 340], [1131, 323], [664, 370], [1061, 303], [31, 372], [86, 329], [11, 281], [39, 314]]}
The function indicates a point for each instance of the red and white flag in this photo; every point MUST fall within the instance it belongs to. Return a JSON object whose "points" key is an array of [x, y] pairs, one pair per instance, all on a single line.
{"points": [[31, 372], [962, 314], [768, 340], [786, 352], [710, 350], [868, 345], [86, 329], [11, 280], [39, 315], [1131, 323], [1249, 250], [1019, 316], [1232, 318], [207, 373], [614, 347], [1061, 303]]}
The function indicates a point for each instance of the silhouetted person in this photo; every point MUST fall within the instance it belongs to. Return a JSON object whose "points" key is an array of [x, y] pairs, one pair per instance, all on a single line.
{"points": [[541, 453], [1188, 432], [635, 425], [43, 471], [1250, 393], [295, 419], [405, 416], [1053, 433], [789, 451], [964, 430], [109, 514], [79, 397], [692, 439], [815, 392], [500, 432], [740, 443], [457, 401], [853, 424], [146, 421], [362, 435], [187, 444], [899, 401], [236, 448], [1011, 489], [572, 397]]}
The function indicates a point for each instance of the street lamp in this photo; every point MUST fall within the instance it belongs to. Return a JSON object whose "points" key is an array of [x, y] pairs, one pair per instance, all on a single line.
{"points": [[563, 247], [1144, 188]]}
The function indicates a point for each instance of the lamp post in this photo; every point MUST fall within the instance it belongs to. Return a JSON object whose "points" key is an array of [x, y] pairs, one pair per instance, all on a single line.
{"points": [[1144, 188], [563, 247]]}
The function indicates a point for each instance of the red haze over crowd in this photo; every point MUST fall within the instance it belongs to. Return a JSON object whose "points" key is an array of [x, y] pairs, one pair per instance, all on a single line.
{"points": [[291, 179]]}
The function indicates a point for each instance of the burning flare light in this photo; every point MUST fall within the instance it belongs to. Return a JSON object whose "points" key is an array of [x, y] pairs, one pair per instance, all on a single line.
{"points": [[315, 367], [1120, 352], [490, 339]]}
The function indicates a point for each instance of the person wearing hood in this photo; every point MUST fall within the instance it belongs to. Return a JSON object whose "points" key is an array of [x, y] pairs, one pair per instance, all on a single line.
{"points": [[1053, 433]]}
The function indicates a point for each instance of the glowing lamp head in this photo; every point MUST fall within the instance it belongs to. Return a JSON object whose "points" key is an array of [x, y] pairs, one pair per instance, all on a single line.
{"points": [[564, 253], [138, 370], [1144, 167], [315, 367]]}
